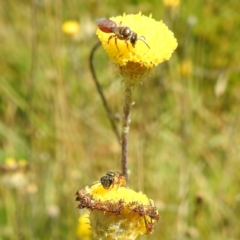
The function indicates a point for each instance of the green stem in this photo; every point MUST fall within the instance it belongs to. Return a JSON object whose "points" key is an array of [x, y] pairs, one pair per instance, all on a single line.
{"points": [[127, 104]]}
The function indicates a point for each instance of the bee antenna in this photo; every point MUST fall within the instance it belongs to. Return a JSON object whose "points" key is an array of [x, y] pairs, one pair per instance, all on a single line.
{"points": [[94, 183], [141, 39]]}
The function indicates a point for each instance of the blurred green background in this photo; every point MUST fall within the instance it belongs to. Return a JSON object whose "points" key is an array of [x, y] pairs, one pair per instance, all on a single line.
{"points": [[184, 138]]}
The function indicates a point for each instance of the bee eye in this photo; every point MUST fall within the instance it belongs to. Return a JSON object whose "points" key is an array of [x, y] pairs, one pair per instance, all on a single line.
{"points": [[133, 39], [106, 181]]}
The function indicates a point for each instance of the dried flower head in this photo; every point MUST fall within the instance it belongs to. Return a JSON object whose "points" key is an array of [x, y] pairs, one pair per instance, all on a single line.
{"points": [[117, 212]]}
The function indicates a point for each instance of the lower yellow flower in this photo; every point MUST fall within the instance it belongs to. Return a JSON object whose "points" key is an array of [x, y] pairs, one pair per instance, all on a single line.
{"points": [[118, 212], [83, 229]]}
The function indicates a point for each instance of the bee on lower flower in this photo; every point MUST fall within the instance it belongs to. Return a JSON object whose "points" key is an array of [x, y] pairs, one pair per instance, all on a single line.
{"points": [[111, 179]]}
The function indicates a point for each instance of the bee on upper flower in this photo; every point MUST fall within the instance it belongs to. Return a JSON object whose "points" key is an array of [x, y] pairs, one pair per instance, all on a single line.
{"points": [[119, 31]]}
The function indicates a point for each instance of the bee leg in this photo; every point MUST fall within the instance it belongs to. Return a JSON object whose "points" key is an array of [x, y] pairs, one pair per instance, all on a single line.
{"points": [[116, 42], [110, 187], [126, 44], [118, 185], [110, 38], [113, 36]]}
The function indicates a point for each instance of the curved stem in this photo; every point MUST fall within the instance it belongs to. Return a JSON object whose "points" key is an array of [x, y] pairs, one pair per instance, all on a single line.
{"points": [[127, 104], [99, 89]]}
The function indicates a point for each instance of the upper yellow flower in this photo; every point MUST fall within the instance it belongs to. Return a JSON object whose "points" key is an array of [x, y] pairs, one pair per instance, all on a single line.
{"points": [[157, 36], [117, 212]]}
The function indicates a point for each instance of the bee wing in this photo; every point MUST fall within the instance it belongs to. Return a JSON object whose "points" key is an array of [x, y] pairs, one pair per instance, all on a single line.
{"points": [[106, 25]]}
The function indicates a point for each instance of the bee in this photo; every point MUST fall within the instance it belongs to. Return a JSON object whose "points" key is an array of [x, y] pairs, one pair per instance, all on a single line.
{"points": [[120, 32], [112, 178]]}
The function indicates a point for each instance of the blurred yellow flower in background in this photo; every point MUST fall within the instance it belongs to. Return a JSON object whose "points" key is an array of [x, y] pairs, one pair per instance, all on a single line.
{"points": [[11, 165], [14, 173], [171, 3], [185, 68], [10, 162], [22, 163], [71, 27]]}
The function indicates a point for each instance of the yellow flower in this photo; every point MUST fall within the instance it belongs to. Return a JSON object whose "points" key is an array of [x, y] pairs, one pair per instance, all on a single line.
{"points": [[160, 39], [11, 162], [71, 27], [135, 62], [171, 3], [22, 163], [11, 165], [185, 68], [117, 212], [83, 229]]}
